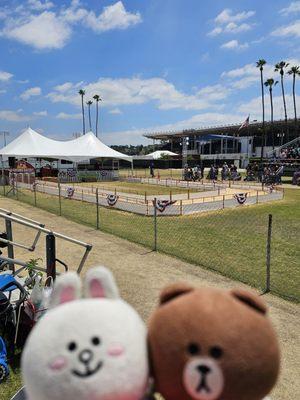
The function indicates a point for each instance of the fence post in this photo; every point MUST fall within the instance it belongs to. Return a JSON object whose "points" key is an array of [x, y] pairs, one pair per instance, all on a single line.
{"points": [[268, 258], [155, 225], [9, 236], [223, 200], [97, 205], [170, 195], [257, 197], [180, 207], [17, 193], [34, 193], [145, 197], [188, 194], [51, 255], [81, 194], [59, 198]]}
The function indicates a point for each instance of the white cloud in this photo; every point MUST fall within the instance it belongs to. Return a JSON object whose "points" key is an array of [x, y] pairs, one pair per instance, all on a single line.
{"points": [[39, 5], [248, 75], [227, 16], [44, 29], [115, 111], [116, 92], [293, 8], [34, 91], [293, 29], [234, 45], [63, 115], [5, 76], [40, 113], [227, 22], [13, 116], [253, 106], [112, 17]]}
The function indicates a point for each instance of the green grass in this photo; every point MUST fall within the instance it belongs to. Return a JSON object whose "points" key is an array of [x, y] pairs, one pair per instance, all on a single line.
{"points": [[137, 188]]}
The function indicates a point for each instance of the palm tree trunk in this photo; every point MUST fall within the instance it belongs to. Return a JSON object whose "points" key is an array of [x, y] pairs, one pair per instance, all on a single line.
{"points": [[263, 113], [90, 117], [294, 99], [284, 106], [272, 128], [83, 121], [96, 118]]}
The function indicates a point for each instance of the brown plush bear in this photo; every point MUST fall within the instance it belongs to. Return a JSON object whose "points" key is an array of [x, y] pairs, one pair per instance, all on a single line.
{"points": [[212, 344]]}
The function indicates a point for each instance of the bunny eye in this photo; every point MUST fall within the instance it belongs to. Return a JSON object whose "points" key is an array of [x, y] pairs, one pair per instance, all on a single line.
{"points": [[72, 346], [95, 340]]}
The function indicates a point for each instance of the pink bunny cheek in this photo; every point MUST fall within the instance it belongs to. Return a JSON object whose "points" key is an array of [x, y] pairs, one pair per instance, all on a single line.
{"points": [[115, 350], [58, 364]]}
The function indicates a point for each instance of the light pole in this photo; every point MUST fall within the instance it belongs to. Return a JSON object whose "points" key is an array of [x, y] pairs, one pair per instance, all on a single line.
{"points": [[5, 134]]}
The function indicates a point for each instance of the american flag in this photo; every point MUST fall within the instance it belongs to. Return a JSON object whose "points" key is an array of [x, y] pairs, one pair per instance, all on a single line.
{"points": [[245, 124]]}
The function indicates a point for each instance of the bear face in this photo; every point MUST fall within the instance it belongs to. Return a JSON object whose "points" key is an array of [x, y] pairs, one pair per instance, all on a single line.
{"points": [[87, 349], [210, 344]]}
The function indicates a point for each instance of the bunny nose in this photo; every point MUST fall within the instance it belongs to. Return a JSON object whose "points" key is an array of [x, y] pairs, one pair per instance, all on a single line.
{"points": [[85, 356]]}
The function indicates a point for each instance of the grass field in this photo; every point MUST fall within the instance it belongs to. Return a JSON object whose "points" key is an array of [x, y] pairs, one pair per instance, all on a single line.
{"points": [[230, 241], [136, 188]]}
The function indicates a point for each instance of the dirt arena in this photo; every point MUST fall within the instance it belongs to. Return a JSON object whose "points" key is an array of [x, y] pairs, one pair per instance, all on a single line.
{"points": [[141, 274]]}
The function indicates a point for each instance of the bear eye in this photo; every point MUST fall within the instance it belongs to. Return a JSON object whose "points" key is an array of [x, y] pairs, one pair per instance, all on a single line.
{"points": [[72, 346], [193, 348], [216, 352], [95, 341]]}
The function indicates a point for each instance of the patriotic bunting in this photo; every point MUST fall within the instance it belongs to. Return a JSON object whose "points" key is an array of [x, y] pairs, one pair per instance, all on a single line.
{"points": [[241, 197], [161, 205], [112, 199]]}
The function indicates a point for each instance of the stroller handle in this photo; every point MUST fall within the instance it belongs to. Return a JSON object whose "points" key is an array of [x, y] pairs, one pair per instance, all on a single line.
{"points": [[20, 287]]}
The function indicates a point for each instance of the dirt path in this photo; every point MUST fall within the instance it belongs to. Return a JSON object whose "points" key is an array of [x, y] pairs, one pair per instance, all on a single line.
{"points": [[141, 274]]}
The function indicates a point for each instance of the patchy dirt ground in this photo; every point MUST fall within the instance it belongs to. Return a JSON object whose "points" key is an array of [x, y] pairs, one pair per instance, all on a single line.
{"points": [[141, 274]]}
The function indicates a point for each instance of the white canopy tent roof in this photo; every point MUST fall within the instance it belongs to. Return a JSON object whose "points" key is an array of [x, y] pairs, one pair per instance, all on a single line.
{"points": [[156, 155], [34, 145]]}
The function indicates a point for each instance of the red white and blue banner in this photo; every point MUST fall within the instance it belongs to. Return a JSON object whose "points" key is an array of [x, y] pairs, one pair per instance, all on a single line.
{"points": [[161, 205], [70, 192], [241, 197], [112, 199]]}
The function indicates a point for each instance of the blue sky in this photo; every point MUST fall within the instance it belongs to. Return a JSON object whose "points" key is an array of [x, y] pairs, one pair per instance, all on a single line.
{"points": [[158, 65]]}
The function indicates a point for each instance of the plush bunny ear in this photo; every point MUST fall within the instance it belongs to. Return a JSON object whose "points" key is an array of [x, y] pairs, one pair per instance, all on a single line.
{"points": [[67, 287], [100, 283]]}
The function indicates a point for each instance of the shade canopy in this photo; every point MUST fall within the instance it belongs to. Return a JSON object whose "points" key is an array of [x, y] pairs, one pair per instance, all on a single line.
{"points": [[32, 144], [156, 155]]}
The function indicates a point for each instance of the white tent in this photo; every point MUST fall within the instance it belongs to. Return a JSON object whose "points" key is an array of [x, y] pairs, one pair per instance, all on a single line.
{"points": [[156, 155], [31, 144]]}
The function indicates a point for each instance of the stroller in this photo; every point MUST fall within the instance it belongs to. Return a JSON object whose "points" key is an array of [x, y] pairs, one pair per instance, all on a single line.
{"points": [[12, 298]]}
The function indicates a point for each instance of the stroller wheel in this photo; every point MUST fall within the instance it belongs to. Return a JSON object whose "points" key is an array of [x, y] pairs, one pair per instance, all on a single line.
{"points": [[3, 371]]}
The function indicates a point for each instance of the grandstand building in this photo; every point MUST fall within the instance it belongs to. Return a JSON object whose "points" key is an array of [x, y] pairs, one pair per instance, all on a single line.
{"points": [[233, 143]]}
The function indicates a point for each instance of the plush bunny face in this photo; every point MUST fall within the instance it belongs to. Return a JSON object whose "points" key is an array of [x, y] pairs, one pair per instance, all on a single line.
{"points": [[88, 349]]}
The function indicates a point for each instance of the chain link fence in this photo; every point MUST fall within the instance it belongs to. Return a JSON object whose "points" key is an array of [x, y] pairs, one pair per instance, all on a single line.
{"points": [[240, 243]]}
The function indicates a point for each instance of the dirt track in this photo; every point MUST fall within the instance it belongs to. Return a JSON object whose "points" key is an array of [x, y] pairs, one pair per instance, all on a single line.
{"points": [[141, 274]]}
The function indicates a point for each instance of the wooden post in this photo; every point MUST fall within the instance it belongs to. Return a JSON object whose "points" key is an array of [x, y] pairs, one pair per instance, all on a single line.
{"points": [[268, 256], [146, 197], [170, 195], [257, 197], [97, 205], [180, 207], [188, 194], [223, 200]]}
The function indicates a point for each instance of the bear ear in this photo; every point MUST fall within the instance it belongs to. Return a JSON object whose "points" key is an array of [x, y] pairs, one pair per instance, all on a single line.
{"points": [[174, 290], [250, 299], [67, 287], [100, 283]]}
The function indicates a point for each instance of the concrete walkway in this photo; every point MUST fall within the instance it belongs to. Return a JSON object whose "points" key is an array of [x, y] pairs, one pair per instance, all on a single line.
{"points": [[141, 274]]}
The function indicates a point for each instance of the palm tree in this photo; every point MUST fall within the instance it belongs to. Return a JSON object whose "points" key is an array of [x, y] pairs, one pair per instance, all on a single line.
{"points": [[279, 67], [260, 64], [97, 98], [82, 93], [89, 103], [295, 71], [270, 83]]}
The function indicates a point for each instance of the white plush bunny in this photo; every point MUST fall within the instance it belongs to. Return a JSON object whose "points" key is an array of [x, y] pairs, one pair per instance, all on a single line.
{"points": [[87, 349]]}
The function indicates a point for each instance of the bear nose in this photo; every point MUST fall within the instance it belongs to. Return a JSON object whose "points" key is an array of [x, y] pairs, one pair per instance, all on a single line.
{"points": [[85, 356], [204, 369]]}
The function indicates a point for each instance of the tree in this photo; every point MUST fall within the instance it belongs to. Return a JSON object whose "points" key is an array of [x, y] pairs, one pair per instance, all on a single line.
{"points": [[270, 83], [89, 103], [280, 67], [82, 93], [260, 64], [295, 71], [97, 98]]}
